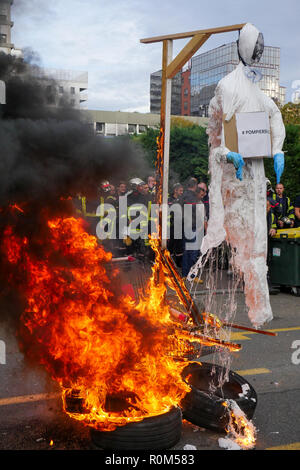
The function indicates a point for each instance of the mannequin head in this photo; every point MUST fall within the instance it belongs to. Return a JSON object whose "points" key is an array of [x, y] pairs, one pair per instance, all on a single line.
{"points": [[250, 44]]}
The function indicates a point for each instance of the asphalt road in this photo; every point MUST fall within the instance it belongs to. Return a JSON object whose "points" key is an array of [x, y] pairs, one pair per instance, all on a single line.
{"points": [[30, 411]]}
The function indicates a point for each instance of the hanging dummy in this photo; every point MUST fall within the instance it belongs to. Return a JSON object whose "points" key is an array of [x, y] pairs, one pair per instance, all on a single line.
{"points": [[238, 186]]}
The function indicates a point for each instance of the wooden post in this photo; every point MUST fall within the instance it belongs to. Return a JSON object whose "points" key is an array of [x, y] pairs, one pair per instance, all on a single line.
{"points": [[167, 126], [163, 144]]}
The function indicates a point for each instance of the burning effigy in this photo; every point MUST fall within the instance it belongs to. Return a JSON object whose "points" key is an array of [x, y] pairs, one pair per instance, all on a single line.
{"points": [[238, 186]]}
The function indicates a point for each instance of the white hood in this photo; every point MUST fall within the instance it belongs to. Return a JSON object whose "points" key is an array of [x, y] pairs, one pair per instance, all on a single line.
{"points": [[249, 36]]}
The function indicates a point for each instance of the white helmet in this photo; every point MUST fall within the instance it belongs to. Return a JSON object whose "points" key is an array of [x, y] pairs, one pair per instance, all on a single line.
{"points": [[269, 185], [250, 44], [135, 182]]}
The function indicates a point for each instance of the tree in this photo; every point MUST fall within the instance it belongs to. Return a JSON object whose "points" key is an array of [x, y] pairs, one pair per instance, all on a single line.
{"points": [[188, 150], [291, 174], [291, 113], [189, 154]]}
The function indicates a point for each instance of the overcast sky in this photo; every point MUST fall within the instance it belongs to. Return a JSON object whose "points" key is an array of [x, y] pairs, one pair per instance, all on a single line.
{"points": [[103, 38]]}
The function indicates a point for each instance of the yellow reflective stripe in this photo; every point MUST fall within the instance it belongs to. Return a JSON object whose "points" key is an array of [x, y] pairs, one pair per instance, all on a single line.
{"points": [[93, 214], [83, 205], [136, 216], [149, 208]]}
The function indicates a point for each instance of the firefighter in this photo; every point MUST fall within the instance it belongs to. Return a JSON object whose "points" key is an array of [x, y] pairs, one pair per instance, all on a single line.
{"points": [[122, 188], [151, 187], [274, 200], [137, 204], [175, 244], [272, 228], [87, 208], [287, 218], [95, 213]]}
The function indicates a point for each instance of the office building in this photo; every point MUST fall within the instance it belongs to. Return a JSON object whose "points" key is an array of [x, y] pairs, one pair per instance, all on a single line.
{"points": [[60, 85], [210, 67], [115, 123], [186, 92], [155, 93], [6, 25], [64, 86]]}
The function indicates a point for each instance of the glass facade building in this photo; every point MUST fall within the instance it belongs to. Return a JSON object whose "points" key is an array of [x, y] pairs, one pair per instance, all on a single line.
{"points": [[155, 93], [210, 67]]}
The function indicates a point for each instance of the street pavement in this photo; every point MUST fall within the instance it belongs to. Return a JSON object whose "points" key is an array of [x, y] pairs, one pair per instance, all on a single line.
{"points": [[31, 417]]}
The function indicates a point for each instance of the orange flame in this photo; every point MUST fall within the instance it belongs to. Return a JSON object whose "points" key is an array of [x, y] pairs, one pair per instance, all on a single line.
{"points": [[90, 337], [240, 428], [17, 207]]}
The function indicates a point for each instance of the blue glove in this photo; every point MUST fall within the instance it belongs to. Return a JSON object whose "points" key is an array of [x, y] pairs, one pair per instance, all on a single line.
{"points": [[238, 162], [278, 165]]}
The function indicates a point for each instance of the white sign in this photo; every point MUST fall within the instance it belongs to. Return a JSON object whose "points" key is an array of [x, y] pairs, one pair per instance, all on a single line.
{"points": [[276, 251], [2, 93], [2, 352], [254, 135]]}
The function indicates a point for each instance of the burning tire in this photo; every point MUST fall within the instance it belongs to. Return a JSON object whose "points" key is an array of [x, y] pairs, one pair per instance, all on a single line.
{"points": [[206, 409], [157, 432]]}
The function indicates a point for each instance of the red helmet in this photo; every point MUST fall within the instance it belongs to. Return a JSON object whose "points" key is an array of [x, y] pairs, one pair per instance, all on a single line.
{"points": [[105, 186]]}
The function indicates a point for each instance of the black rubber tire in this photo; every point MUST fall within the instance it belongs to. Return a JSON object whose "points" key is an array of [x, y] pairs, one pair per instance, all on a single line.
{"points": [[154, 433], [206, 409]]}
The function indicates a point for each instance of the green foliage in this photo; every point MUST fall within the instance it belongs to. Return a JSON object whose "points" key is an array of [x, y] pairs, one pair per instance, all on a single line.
{"points": [[189, 155], [188, 151], [291, 113], [147, 141], [291, 175]]}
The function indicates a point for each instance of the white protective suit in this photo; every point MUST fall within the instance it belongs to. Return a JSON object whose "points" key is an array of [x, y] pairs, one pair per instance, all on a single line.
{"points": [[238, 208]]}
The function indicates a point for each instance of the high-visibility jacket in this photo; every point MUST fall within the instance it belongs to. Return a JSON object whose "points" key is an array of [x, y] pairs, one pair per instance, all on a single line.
{"points": [[275, 204], [90, 212], [271, 220], [137, 205], [287, 207]]}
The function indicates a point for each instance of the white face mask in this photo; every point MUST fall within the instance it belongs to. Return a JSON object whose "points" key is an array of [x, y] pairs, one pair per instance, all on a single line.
{"points": [[250, 44], [259, 49]]}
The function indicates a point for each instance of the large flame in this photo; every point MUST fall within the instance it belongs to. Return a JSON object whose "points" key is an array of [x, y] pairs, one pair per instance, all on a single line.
{"points": [[240, 429], [91, 338]]}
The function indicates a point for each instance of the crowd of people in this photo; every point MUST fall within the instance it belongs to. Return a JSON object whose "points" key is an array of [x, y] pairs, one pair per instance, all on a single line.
{"points": [[141, 194]]}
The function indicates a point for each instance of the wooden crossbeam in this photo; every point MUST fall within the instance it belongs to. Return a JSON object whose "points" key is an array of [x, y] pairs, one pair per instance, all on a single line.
{"points": [[221, 29], [186, 53]]}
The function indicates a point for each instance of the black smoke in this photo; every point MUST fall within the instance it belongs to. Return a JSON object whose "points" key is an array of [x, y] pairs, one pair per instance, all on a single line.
{"points": [[49, 155], [50, 151]]}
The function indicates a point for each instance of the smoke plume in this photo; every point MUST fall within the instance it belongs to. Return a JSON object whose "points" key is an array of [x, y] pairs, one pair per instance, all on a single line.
{"points": [[49, 155]]}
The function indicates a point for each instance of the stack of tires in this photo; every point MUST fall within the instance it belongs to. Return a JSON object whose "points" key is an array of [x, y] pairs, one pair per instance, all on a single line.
{"points": [[204, 407]]}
